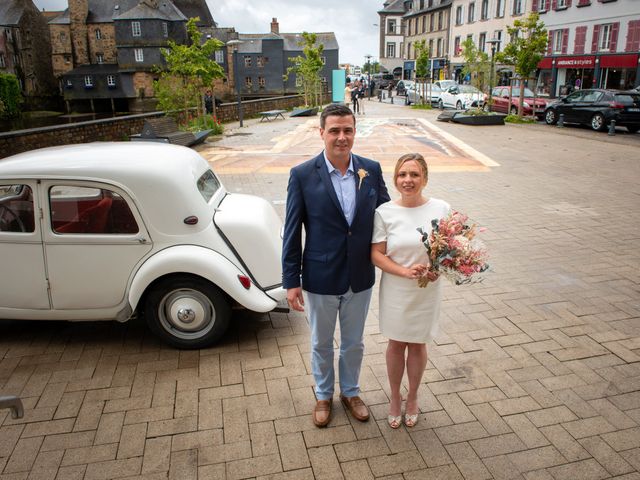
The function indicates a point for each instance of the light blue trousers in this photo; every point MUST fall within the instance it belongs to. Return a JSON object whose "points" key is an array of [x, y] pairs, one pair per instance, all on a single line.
{"points": [[322, 311]]}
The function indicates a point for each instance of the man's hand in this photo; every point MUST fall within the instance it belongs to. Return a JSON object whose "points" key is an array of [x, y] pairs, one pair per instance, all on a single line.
{"points": [[295, 299]]}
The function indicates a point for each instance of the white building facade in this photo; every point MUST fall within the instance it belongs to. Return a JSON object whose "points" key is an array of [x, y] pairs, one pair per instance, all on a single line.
{"points": [[392, 36], [592, 44]]}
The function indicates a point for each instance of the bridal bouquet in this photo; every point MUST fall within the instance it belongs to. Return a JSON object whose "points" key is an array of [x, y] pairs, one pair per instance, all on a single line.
{"points": [[454, 251]]}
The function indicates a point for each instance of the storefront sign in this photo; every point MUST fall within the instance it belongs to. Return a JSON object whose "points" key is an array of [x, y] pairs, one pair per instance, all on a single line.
{"points": [[620, 61], [575, 62]]}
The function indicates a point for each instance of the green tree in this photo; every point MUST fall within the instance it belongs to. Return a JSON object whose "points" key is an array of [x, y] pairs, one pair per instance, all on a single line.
{"points": [[476, 65], [307, 68], [371, 67], [422, 69], [526, 49], [10, 96], [189, 69]]}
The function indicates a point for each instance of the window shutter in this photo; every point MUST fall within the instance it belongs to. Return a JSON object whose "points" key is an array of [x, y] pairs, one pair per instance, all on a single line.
{"points": [[594, 41], [550, 43], [614, 37], [581, 37], [534, 5], [631, 33], [565, 40], [635, 43], [554, 4]]}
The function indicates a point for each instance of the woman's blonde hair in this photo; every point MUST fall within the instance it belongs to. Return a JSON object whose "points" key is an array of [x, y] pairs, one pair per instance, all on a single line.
{"points": [[416, 157]]}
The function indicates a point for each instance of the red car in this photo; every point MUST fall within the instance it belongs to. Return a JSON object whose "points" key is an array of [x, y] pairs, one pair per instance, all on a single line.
{"points": [[501, 101]]}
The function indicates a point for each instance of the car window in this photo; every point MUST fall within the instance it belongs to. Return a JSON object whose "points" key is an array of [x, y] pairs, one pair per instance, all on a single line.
{"points": [[16, 209], [592, 96], [95, 211], [575, 97], [208, 185], [527, 92], [628, 99]]}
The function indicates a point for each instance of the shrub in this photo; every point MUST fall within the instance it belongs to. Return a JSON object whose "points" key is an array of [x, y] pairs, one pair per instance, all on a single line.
{"points": [[10, 96], [205, 122], [516, 119], [422, 107]]}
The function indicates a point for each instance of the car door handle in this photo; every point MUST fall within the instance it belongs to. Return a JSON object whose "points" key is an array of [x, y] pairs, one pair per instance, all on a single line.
{"points": [[142, 240]]}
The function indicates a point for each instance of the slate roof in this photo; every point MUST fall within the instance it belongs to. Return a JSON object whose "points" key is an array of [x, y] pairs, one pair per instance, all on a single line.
{"points": [[104, 11], [252, 42], [165, 11], [11, 12], [393, 6]]}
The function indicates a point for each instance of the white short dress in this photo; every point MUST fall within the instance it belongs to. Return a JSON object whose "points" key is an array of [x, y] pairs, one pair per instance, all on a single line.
{"points": [[408, 313]]}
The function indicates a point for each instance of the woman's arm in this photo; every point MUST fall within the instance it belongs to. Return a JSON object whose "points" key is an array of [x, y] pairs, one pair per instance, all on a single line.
{"points": [[380, 259]]}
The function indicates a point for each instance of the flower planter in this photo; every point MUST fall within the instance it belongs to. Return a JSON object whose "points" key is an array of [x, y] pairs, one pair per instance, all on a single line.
{"points": [[490, 119]]}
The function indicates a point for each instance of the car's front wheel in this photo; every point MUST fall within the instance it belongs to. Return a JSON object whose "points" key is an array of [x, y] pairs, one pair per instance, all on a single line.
{"points": [[598, 122], [459, 105], [550, 117], [486, 108], [514, 110], [440, 104], [187, 311]]}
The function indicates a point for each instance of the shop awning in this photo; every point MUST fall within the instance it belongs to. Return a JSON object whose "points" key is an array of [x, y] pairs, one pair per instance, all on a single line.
{"points": [[620, 61], [545, 63]]}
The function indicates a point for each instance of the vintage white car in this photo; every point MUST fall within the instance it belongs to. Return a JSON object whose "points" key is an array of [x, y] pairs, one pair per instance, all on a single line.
{"points": [[100, 231]]}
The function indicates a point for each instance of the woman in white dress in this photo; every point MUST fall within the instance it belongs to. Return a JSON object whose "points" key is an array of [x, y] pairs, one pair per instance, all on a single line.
{"points": [[408, 314]]}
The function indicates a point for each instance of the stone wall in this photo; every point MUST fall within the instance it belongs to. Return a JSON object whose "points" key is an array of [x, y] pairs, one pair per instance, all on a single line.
{"points": [[120, 128]]}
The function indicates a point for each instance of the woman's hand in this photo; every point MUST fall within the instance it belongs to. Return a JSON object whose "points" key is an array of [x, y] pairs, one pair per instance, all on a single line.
{"points": [[416, 270]]}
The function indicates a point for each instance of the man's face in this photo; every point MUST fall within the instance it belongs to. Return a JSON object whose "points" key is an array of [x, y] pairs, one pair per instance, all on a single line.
{"points": [[338, 135]]}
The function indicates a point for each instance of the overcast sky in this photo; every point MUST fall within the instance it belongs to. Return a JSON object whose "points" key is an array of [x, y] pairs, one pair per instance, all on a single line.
{"points": [[351, 20]]}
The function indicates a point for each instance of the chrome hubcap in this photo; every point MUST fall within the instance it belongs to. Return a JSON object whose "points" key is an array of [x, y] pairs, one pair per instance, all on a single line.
{"points": [[187, 311]]}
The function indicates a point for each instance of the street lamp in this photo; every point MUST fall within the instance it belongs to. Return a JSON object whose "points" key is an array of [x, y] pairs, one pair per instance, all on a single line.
{"points": [[234, 45], [368, 58], [495, 43]]}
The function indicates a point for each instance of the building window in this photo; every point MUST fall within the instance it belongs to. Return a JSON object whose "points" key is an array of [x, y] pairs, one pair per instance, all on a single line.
{"points": [[431, 47], [391, 50], [497, 35], [440, 20], [135, 29], [432, 22], [69, 84], [139, 54], [260, 61], [99, 58], [298, 81], [459, 15], [500, 8], [323, 59], [261, 82], [165, 29], [111, 80], [544, 6], [439, 50], [248, 82], [482, 41], [391, 27], [517, 7], [219, 57], [561, 4], [484, 10], [247, 61], [557, 41], [98, 34], [88, 81], [67, 59], [456, 47], [604, 42], [424, 23], [472, 13]]}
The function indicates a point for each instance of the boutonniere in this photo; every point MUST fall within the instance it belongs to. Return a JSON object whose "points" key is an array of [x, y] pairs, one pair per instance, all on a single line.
{"points": [[362, 173]]}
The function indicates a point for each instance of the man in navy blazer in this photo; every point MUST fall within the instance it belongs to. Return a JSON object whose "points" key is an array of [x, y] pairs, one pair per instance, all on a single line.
{"points": [[334, 197]]}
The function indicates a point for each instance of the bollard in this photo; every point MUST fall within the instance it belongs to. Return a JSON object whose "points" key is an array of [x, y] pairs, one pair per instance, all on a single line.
{"points": [[612, 128], [391, 98], [561, 120]]}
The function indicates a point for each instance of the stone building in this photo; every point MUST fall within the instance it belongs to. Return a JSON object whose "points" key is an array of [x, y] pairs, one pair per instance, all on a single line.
{"points": [[105, 52], [263, 59], [25, 48], [391, 27]]}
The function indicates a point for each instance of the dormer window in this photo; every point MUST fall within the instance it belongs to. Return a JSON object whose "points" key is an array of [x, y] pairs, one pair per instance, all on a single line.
{"points": [[165, 29], [88, 81], [136, 31]]}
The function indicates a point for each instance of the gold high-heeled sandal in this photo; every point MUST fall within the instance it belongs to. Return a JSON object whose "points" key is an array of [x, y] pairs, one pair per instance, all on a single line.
{"points": [[394, 421], [410, 420]]}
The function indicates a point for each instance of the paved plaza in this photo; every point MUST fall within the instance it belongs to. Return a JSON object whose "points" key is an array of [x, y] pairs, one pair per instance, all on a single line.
{"points": [[535, 374]]}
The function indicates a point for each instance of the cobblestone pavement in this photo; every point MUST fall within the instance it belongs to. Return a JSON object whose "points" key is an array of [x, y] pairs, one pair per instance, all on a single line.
{"points": [[535, 375]]}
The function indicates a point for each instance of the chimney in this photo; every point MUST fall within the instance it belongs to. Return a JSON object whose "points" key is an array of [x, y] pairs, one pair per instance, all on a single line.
{"points": [[78, 11], [275, 28]]}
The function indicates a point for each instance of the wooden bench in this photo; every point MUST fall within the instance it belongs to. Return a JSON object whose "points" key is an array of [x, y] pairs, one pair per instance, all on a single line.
{"points": [[272, 114]]}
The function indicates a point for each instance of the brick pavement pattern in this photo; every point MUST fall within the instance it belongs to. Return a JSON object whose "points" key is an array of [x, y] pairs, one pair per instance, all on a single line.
{"points": [[535, 374]]}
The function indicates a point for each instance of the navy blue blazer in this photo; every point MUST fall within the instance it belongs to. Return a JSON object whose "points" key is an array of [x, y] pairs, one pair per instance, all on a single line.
{"points": [[336, 256]]}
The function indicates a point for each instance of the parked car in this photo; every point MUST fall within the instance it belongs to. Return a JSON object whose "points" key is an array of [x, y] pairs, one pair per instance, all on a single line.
{"points": [[444, 84], [104, 230], [430, 90], [403, 85], [596, 108], [461, 97], [500, 99], [383, 80]]}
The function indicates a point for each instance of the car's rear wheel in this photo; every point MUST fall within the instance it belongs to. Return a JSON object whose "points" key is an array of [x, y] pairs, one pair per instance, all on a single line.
{"points": [[550, 117], [486, 108], [187, 311], [514, 110], [598, 122], [459, 105], [633, 128]]}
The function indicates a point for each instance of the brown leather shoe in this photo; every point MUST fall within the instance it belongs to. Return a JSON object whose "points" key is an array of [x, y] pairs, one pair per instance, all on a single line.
{"points": [[356, 406], [322, 413]]}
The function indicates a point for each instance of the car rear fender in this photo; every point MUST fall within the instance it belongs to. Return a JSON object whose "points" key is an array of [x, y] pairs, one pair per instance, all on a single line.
{"points": [[204, 263]]}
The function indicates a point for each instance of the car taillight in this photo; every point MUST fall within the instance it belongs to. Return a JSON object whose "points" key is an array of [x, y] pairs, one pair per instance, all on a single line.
{"points": [[245, 281], [616, 105]]}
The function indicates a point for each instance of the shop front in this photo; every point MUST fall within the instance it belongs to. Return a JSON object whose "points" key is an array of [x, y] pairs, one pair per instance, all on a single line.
{"points": [[559, 76]]}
